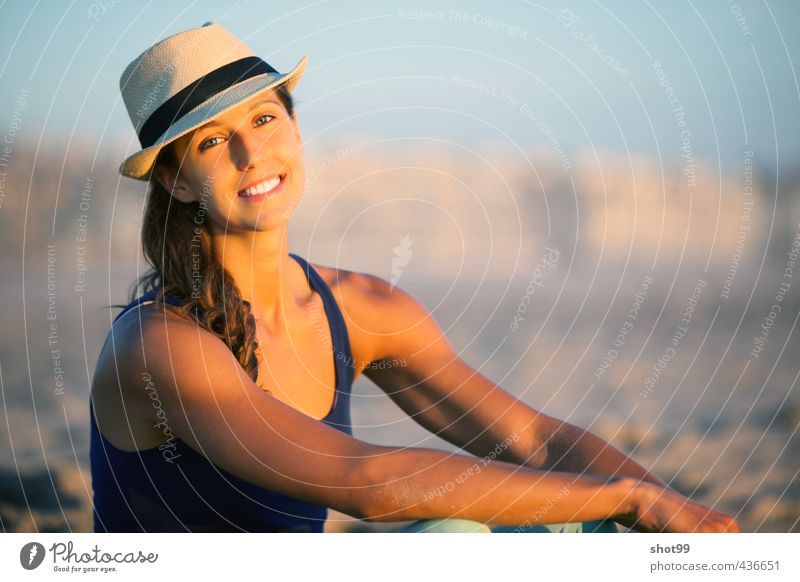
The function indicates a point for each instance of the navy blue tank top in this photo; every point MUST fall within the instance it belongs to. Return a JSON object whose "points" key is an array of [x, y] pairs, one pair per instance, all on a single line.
{"points": [[137, 491]]}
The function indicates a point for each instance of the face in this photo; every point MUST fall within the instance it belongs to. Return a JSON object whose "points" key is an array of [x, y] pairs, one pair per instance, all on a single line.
{"points": [[244, 167]]}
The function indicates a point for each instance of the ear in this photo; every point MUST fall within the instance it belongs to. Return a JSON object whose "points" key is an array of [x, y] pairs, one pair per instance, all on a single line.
{"points": [[172, 182]]}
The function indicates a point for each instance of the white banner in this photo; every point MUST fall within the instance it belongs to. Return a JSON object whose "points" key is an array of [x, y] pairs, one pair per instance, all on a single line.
{"points": [[394, 556]]}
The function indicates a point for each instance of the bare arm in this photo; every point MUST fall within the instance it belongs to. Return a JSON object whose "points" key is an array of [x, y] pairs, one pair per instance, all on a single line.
{"points": [[446, 396], [213, 406], [575, 450], [468, 410], [421, 484]]}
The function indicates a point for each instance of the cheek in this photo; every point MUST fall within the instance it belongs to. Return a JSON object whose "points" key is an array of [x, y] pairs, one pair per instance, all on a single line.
{"points": [[297, 163], [213, 202], [300, 172], [206, 189]]}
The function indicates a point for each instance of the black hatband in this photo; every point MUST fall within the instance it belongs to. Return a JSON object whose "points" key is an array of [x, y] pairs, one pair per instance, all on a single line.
{"points": [[196, 93]]}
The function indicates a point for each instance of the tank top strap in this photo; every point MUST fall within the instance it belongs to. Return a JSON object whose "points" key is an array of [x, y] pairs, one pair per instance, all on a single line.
{"points": [[149, 296], [339, 416], [341, 339]]}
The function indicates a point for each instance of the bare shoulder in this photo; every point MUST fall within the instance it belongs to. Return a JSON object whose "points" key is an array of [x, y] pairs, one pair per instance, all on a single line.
{"points": [[136, 343], [132, 336], [153, 337], [353, 284], [145, 329], [365, 298], [380, 317]]}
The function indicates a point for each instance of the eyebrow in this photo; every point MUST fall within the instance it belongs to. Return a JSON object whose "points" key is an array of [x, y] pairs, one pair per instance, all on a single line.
{"points": [[256, 105]]}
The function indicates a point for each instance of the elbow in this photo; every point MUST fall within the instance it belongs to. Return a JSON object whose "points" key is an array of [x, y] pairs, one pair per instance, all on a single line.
{"points": [[369, 493], [364, 505], [370, 515], [377, 493], [541, 445], [539, 455], [380, 508]]}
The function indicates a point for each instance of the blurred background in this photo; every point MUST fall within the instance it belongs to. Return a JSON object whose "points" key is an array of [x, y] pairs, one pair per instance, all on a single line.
{"points": [[598, 201]]}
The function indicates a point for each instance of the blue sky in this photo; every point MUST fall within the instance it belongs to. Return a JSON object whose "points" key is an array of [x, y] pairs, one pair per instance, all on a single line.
{"points": [[514, 72]]}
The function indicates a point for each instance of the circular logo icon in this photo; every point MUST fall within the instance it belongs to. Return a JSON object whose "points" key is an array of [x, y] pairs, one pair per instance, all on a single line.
{"points": [[31, 555]]}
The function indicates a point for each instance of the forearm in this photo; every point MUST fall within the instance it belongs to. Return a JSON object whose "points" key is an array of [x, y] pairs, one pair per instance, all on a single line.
{"points": [[575, 450], [538, 441], [405, 484]]}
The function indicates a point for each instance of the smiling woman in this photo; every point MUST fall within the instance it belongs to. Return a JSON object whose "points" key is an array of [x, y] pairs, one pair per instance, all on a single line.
{"points": [[220, 401], [230, 154]]}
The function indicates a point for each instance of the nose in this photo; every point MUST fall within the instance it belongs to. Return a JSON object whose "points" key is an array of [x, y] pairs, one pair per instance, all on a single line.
{"points": [[248, 150]]}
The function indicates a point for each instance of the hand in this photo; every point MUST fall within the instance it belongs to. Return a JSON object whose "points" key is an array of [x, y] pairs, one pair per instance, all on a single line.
{"points": [[661, 509]]}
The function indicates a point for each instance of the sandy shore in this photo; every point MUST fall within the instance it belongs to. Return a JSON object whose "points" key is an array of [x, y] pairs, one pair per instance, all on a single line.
{"points": [[719, 425]]}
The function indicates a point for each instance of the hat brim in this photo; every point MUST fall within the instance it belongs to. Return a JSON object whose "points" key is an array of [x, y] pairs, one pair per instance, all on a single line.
{"points": [[139, 165]]}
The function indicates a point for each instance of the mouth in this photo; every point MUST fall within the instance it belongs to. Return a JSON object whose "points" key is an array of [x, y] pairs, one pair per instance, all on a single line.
{"points": [[263, 189]]}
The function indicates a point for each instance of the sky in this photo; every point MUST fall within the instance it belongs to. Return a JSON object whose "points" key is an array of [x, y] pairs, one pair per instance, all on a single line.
{"points": [[648, 77]]}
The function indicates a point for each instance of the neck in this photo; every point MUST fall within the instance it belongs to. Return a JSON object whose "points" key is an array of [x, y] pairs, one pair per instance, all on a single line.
{"points": [[267, 277]]}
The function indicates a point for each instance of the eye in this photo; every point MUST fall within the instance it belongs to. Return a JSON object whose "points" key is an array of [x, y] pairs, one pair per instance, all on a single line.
{"points": [[209, 143], [260, 120]]}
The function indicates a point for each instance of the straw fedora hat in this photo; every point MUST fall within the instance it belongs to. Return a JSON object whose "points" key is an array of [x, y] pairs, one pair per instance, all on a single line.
{"points": [[187, 79]]}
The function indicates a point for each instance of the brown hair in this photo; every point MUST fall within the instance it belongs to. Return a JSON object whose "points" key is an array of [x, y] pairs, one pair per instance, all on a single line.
{"points": [[183, 264]]}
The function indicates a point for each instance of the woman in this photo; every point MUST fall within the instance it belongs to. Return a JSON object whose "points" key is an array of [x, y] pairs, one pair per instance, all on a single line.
{"points": [[220, 401]]}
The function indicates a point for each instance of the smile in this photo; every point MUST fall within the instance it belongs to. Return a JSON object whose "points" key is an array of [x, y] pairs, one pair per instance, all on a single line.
{"points": [[264, 189]]}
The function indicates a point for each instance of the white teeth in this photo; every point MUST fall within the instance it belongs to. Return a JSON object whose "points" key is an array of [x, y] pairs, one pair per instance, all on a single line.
{"points": [[261, 188]]}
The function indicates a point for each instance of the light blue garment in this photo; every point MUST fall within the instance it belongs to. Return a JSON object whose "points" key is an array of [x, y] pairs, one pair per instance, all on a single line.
{"points": [[467, 526], [445, 526], [598, 526]]}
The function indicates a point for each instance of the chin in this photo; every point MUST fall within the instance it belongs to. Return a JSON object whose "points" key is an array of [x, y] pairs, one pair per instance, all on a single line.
{"points": [[268, 223]]}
